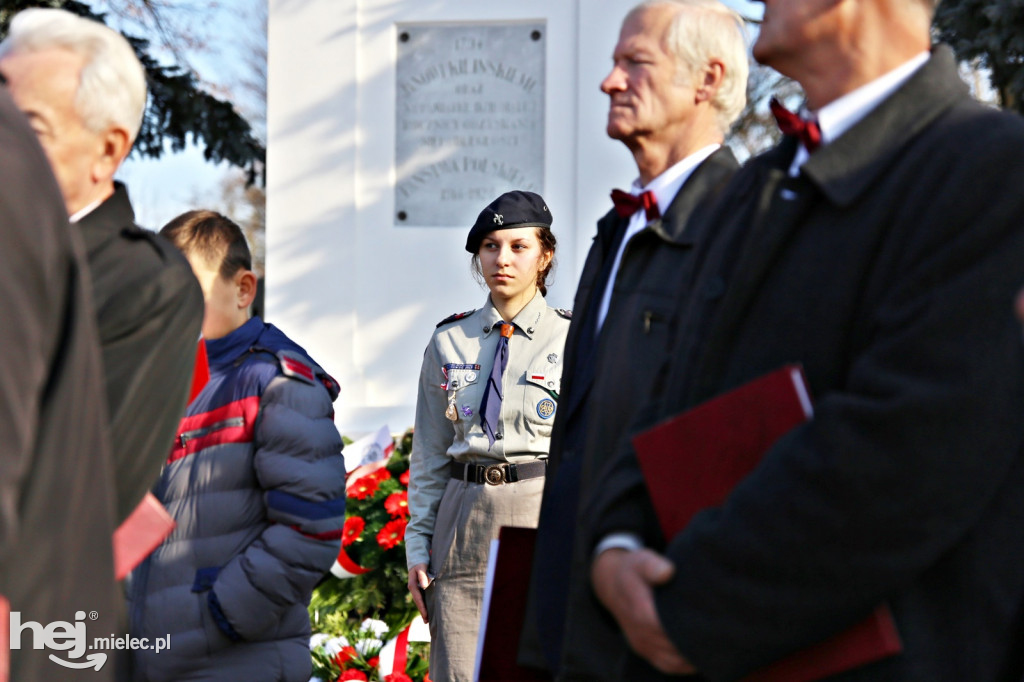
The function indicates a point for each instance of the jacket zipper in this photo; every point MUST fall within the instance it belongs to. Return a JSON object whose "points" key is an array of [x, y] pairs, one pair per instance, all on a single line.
{"points": [[185, 437]]}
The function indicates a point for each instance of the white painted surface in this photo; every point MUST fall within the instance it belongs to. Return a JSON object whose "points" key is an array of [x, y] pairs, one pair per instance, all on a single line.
{"points": [[362, 295]]}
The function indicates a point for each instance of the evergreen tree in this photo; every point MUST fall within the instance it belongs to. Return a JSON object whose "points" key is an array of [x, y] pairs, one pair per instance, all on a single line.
{"points": [[990, 34], [179, 110]]}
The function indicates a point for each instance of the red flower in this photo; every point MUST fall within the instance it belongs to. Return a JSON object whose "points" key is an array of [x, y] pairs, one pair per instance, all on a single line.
{"points": [[354, 526], [352, 675], [397, 677], [397, 504], [381, 475], [426, 677], [404, 478], [364, 487], [344, 656], [392, 533], [373, 662]]}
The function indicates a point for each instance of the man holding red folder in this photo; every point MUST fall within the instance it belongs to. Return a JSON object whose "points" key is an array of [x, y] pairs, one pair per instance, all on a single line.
{"points": [[880, 246]]}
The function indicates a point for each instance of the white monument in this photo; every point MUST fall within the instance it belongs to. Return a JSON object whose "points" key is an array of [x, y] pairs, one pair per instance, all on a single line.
{"points": [[391, 124]]}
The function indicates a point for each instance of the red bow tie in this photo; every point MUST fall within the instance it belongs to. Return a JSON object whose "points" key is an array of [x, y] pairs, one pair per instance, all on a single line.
{"points": [[792, 125], [627, 204]]}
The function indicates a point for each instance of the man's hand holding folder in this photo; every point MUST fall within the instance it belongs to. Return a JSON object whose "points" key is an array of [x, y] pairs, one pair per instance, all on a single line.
{"points": [[692, 462], [624, 581]]}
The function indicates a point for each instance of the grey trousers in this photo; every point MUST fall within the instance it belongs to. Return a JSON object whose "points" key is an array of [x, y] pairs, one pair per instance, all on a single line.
{"points": [[468, 518]]}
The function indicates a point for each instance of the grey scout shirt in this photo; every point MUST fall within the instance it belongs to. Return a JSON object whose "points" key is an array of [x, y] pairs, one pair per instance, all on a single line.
{"points": [[456, 365]]}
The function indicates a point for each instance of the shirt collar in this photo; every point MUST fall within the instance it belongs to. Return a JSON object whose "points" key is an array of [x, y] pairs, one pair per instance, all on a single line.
{"points": [[86, 210], [835, 118], [838, 116], [526, 321], [666, 186]]}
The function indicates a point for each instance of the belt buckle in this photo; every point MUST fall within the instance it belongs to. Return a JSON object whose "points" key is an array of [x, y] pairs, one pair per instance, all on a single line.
{"points": [[494, 474]]}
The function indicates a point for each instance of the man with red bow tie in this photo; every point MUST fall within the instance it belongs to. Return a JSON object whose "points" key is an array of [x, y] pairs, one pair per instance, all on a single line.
{"points": [[677, 82], [881, 251]]}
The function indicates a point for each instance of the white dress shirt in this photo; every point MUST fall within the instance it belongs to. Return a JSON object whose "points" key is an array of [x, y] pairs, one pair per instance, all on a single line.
{"points": [[665, 187], [836, 117], [84, 211]]}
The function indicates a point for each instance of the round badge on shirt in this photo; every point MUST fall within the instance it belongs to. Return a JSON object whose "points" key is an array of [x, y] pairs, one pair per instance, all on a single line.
{"points": [[546, 408]]}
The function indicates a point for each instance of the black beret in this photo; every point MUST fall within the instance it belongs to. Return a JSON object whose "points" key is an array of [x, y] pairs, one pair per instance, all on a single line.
{"points": [[517, 208]]}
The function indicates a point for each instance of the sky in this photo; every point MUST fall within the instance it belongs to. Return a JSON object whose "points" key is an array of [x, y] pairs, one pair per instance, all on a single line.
{"points": [[751, 10], [163, 188], [177, 182]]}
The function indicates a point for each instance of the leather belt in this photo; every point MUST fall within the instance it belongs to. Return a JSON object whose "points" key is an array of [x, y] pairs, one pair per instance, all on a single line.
{"points": [[496, 474]]}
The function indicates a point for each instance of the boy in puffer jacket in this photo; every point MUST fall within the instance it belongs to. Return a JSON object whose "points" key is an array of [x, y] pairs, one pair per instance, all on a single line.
{"points": [[256, 483]]}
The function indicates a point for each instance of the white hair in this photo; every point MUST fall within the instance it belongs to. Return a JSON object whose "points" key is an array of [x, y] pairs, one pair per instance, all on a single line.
{"points": [[112, 86], [702, 30]]}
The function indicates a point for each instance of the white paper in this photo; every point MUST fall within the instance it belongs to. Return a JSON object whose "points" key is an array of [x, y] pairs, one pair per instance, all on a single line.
{"points": [[492, 563], [369, 449]]}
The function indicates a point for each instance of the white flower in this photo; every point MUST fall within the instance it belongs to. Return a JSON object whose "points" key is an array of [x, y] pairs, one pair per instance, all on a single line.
{"points": [[378, 627], [367, 647], [318, 639], [333, 647]]}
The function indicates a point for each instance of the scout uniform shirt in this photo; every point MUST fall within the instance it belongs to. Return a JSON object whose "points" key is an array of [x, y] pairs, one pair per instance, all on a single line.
{"points": [[456, 366]]}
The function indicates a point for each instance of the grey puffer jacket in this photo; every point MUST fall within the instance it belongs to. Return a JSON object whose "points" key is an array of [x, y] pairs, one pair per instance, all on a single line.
{"points": [[256, 484]]}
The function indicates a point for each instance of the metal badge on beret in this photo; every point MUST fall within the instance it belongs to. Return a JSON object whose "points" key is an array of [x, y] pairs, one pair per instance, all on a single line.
{"points": [[517, 208]]}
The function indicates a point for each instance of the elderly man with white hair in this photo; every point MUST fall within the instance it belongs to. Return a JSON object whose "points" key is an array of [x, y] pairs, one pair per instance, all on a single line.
{"points": [[84, 92], [677, 82]]}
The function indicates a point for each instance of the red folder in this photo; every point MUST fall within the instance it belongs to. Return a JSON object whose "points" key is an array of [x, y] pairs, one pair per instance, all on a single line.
{"points": [[141, 533], [694, 460], [5, 639], [506, 609]]}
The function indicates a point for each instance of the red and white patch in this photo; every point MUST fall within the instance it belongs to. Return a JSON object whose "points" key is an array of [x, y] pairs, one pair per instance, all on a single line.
{"points": [[293, 366]]}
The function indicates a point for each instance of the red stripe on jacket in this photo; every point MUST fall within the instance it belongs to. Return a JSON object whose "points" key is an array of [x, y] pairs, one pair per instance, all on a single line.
{"points": [[329, 535], [247, 408], [298, 367]]}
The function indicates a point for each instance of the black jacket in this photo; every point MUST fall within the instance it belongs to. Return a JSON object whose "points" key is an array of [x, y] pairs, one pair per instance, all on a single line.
{"points": [[603, 384], [56, 488], [150, 308], [888, 268]]}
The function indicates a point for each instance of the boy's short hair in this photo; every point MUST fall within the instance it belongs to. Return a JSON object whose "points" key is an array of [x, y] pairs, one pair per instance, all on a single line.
{"points": [[212, 236]]}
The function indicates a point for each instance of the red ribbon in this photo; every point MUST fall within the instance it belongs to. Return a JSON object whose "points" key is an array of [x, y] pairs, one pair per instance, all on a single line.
{"points": [[401, 651], [345, 561]]}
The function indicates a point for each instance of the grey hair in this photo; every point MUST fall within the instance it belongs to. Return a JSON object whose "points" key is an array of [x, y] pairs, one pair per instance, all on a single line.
{"points": [[706, 29], [112, 86]]}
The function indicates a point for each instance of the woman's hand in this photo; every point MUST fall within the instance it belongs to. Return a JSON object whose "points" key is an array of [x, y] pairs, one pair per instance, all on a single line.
{"points": [[418, 582]]}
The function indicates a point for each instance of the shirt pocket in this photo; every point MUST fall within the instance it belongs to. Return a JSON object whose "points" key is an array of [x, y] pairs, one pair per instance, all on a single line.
{"points": [[655, 327], [540, 399]]}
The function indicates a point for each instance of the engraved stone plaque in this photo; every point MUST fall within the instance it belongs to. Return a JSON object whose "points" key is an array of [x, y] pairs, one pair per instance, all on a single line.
{"points": [[470, 118]]}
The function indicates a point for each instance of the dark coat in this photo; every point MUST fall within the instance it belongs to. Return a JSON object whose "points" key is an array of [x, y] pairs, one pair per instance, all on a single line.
{"points": [[603, 384], [56, 488], [888, 268], [150, 308]]}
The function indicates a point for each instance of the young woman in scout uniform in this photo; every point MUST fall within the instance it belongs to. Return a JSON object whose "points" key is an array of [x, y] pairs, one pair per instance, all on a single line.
{"points": [[488, 394]]}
